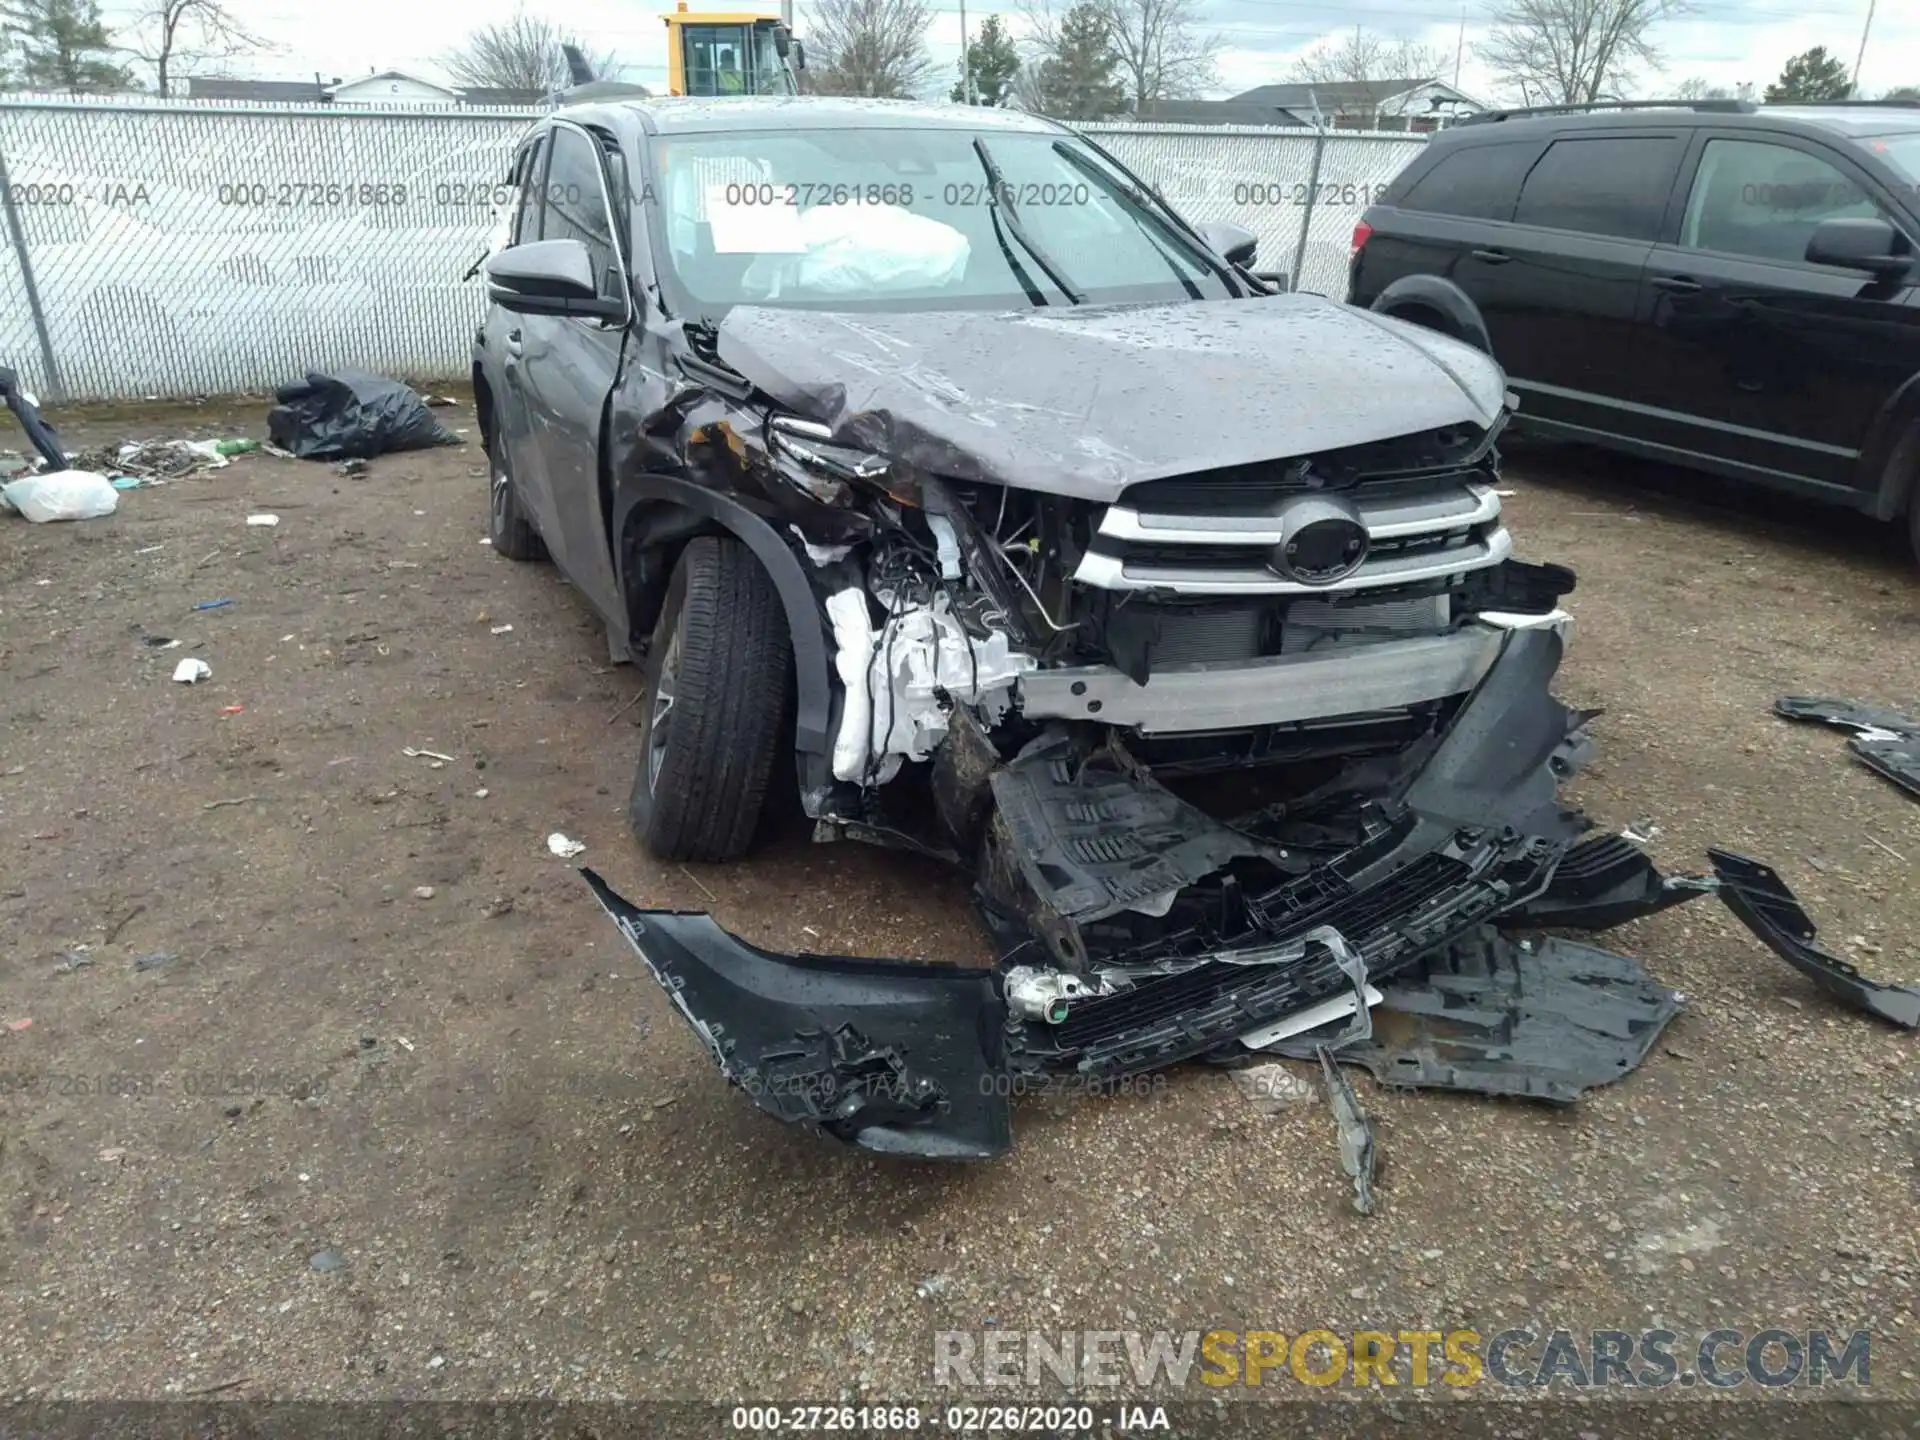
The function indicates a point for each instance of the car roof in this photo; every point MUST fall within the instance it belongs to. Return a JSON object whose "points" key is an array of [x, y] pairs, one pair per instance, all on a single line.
{"points": [[685, 115], [1842, 119]]}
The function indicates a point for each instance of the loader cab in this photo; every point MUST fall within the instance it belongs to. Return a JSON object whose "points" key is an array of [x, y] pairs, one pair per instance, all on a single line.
{"points": [[730, 54]]}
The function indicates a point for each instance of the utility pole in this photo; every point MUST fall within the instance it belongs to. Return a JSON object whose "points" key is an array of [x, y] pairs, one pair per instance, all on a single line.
{"points": [[786, 14], [1459, 47], [1860, 59], [966, 58]]}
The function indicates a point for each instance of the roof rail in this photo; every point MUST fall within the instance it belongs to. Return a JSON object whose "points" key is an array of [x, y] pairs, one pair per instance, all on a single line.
{"points": [[1913, 104], [1707, 107]]}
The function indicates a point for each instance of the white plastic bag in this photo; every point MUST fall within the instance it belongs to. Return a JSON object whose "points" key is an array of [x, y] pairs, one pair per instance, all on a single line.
{"points": [[62, 495]]}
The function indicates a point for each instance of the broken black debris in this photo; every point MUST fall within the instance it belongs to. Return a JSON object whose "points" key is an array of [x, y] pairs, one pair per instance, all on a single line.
{"points": [[1884, 740]]}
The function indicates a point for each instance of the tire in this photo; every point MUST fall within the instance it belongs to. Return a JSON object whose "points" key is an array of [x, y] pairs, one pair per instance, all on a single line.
{"points": [[508, 528], [718, 674]]}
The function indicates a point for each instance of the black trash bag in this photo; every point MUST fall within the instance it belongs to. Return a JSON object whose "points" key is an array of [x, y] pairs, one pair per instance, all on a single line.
{"points": [[28, 414], [350, 414]]}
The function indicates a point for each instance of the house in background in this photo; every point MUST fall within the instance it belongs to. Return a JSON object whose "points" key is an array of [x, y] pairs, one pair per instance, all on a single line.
{"points": [[385, 89], [1417, 105]]}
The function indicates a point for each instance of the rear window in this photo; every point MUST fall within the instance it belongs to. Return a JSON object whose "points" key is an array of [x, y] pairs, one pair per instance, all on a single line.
{"points": [[1476, 181], [1613, 185]]}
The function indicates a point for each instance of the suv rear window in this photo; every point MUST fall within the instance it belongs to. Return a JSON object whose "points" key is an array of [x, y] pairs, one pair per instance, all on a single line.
{"points": [[1477, 181], [1611, 185]]}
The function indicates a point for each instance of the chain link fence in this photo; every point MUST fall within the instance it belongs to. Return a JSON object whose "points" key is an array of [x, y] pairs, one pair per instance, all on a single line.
{"points": [[165, 249]]}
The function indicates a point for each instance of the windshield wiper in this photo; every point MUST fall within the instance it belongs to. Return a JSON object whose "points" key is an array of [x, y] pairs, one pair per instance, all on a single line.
{"points": [[1000, 202], [1142, 207]]}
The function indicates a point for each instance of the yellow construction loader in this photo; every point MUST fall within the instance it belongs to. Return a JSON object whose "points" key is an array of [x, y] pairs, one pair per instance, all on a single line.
{"points": [[727, 53]]}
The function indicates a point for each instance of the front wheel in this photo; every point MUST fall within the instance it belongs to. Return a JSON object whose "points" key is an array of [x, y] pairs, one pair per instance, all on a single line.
{"points": [[508, 528], [717, 676]]}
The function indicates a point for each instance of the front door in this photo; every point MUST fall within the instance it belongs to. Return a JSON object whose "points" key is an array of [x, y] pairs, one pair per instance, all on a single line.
{"points": [[1753, 353], [568, 369]]}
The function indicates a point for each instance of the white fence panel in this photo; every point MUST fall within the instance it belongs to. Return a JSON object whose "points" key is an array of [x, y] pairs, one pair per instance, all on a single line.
{"points": [[184, 248]]}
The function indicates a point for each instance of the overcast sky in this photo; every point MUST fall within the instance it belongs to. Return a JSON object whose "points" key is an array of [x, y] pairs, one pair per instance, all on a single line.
{"points": [[1723, 41]]}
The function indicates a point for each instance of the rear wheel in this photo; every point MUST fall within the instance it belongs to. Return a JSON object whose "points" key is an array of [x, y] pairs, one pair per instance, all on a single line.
{"points": [[508, 528], [717, 676]]}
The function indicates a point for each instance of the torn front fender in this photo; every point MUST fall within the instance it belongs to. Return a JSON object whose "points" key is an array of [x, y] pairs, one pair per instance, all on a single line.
{"points": [[896, 1057]]}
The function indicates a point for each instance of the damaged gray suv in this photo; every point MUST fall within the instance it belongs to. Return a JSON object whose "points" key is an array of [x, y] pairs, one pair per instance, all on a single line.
{"points": [[929, 446]]}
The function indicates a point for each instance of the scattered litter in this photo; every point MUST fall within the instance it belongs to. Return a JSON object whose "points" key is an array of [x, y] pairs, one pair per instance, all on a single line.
{"points": [[564, 848], [160, 642], [1642, 832], [481, 793], [933, 1287], [16, 1026], [233, 709], [503, 629], [1888, 848], [234, 447], [150, 550], [62, 495], [192, 672], [1356, 1132], [327, 1261], [265, 522], [223, 804], [154, 960], [1884, 740], [703, 889], [486, 540], [423, 892], [113, 1155], [126, 482], [76, 960], [404, 1043], [1506, 494], [351, 414], [155, 462], [213, 604], [348, 467], [413, 754], [441, 402]]}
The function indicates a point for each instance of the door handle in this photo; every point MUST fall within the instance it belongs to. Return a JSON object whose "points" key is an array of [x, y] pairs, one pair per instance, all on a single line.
{"points": [[513, 343], [1492, 257], [1678, 284]]}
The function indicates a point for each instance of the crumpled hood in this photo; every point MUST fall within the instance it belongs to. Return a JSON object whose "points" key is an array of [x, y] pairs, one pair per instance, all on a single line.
{"points": [[1084, 402]]}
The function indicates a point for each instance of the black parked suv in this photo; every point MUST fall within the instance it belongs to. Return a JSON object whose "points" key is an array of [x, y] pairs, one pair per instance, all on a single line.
{"points": [[1716, 284]]}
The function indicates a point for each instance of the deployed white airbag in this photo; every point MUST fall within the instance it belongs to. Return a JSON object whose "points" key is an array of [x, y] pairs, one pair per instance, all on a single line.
{"points": [[858, 250]]}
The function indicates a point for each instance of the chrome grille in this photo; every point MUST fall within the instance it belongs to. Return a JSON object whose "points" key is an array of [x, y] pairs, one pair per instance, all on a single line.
{"points": [[1416, 533]]}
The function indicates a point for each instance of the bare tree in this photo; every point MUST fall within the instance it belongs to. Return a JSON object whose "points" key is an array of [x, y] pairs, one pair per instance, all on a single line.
{"points": [[1695, 87], [1163, 53], [869, 47], [1566, 52], [172, 35], [1366, 56], [522, 53]]}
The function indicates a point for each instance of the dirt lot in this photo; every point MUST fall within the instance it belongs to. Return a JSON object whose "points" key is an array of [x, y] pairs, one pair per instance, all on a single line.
{"points": [[402, 1116]]}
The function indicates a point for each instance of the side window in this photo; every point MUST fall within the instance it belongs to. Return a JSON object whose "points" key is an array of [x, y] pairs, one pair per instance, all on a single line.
{"points": [[526, 215], [574, 207], [1479, 182], [1752, 198], [1609, 185]]}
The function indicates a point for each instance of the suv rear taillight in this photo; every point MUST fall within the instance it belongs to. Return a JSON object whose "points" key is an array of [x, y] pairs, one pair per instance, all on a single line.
{"points": [[1362, 233]]}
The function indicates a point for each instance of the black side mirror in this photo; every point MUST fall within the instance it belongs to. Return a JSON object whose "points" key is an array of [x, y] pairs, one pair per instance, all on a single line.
{"points": [[1869, 244], [799, 55], [1235, 244], [782, 41], [549, 277]]}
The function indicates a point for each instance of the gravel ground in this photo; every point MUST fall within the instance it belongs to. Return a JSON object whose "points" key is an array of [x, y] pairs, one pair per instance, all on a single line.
{"points": [[338, 1085]]}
